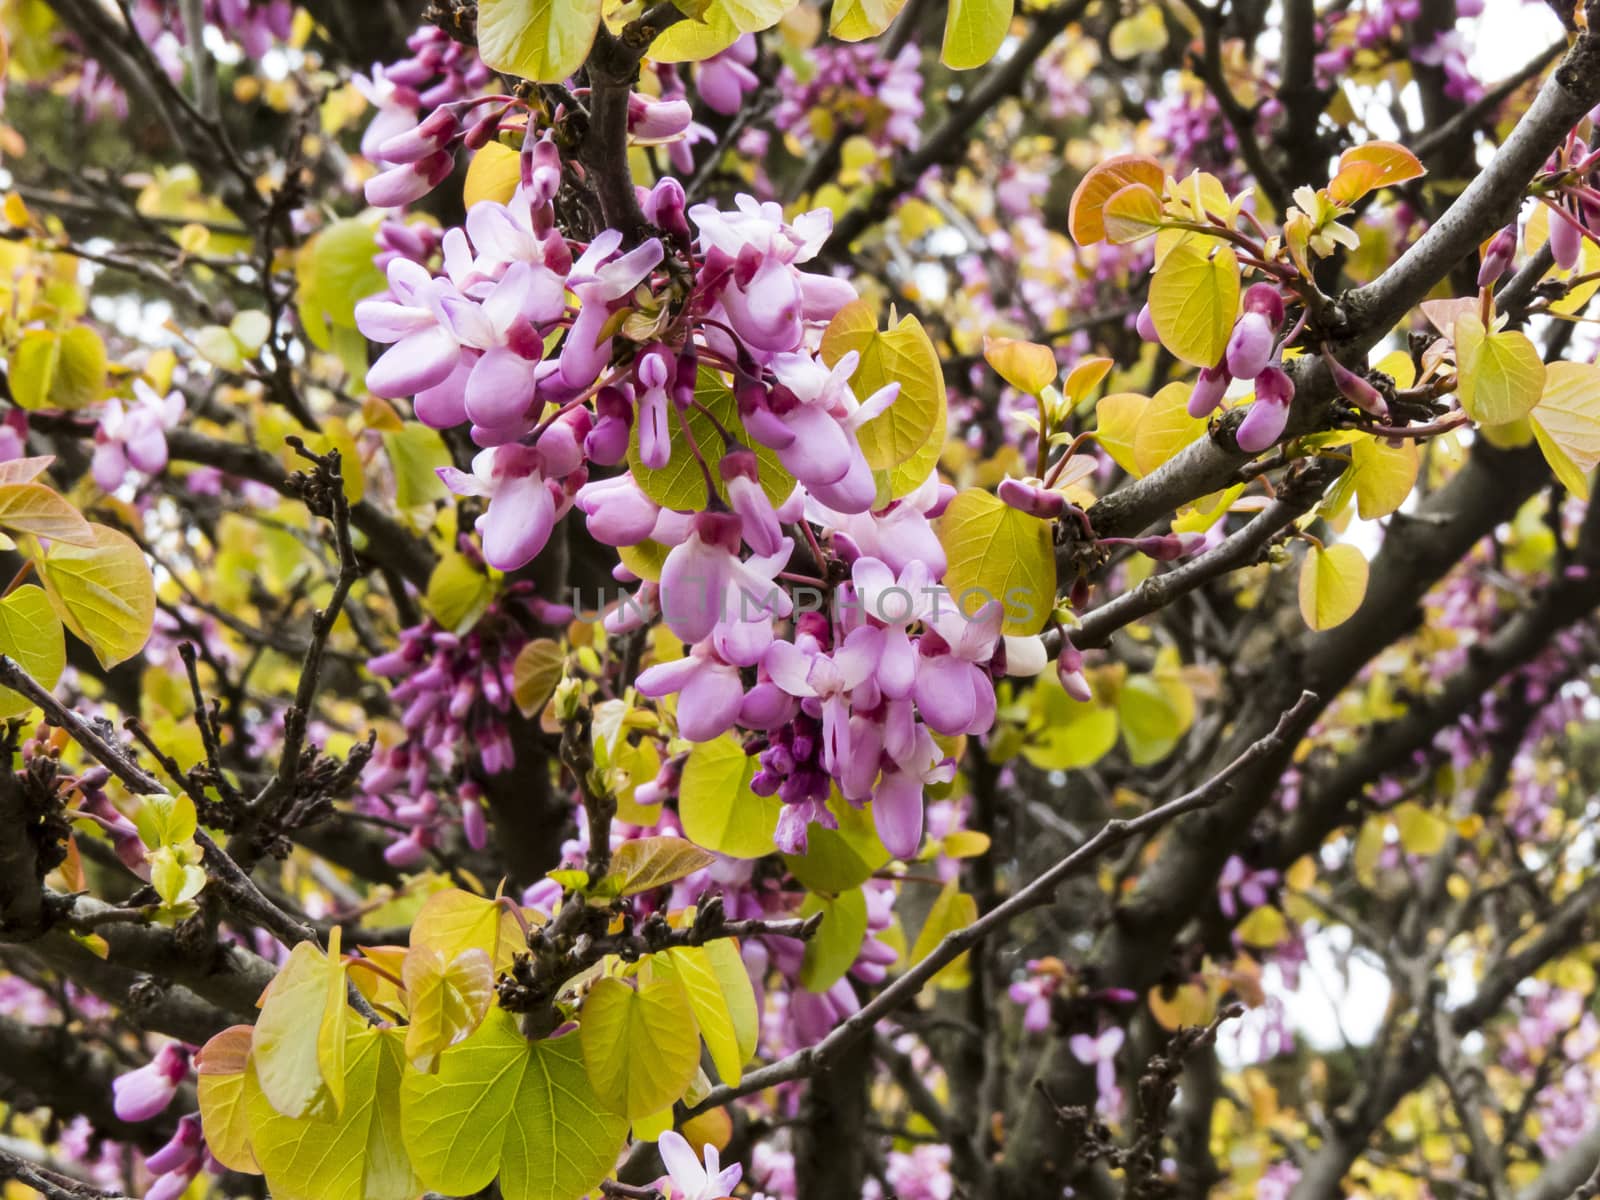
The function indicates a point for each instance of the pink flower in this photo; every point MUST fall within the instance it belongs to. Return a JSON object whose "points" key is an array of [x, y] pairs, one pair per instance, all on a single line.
{"points": [[522, 507], [823, 682], [141, 1094], [134, 434], [692, 1180], [704, 582], [710, 693], [954, 692], [725, 78], [1101, 1052]]}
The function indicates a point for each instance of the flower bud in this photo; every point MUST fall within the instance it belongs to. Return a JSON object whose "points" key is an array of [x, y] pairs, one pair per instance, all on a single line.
{"points": [[1146, 325], [1566, 238], [1209, 389], [1069, 669], [1250, 346], [1035, 501], [1356, 389], [409, 181], [652, 120], [1497, 258], [431, 136]]}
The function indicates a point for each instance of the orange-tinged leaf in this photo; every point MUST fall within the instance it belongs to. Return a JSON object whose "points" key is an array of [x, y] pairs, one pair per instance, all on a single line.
{"points": [[1084, 377], [1372, 165], [32, 508], [222, 1065], [1086, 216], [1026, 366], [448, 1000]]}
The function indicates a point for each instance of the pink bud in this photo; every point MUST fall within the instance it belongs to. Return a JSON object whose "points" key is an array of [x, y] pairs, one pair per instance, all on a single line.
{"points": [[1250, 346], [1356, 389], [1264, 299], [1146, 325], [1566, 238], [1264, 423], [1209, 389], [1035, 501], [1497, 258]]}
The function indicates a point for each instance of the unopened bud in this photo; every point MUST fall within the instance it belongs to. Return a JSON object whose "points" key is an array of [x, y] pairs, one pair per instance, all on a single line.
{"points": [[1356, 389], [1035, 501], [1497, 258]]}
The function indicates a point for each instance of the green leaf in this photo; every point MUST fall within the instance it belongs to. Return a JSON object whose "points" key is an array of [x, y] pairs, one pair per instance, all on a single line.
{"points": [[299, 1045], [501, 1105], [1194, 298], [361, 1154], [642, 864], [1333, 582], [973, 31], [1566, 423], [1145, 32], [953, 910], [447, 1000], [1500, 375], [997, 552], [51, 369], [716, 805], [31, 633], [838, 939], [458, 592], [903, 355], [217, 345], [837, 860], [164, 820], [681, 484], [103, 593], [640, 1047], [541, 40]]}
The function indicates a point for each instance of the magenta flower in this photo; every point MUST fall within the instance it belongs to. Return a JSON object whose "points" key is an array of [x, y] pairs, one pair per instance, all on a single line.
{"points": [[710, 693], [954, 692], [823, 682], [703, 580], [725, 78]]}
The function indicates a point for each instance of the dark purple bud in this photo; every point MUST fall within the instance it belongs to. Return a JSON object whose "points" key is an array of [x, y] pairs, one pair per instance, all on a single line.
{"points": [[1356, 389], [1497, 258]]}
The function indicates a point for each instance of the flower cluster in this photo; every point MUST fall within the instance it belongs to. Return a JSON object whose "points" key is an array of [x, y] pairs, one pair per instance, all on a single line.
{"points": [[851, 86]]}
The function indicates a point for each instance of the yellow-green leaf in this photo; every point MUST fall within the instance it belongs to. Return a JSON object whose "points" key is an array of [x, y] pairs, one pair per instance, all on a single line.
{"points": [[1500, 375], [696, 41], [1132, 214], [452, 920], [58, 370], [1567, 422], [1421, 831], [903, 355], [1194, 298], [996, 552], [447, 1000], [838, 939], [728, 966], [1145, 32], [953, 910], [415, 454], [222, 1066], [31, 633], [856, 20], [535, 673], [1383, 475], [300, 1034], [973, 31], [1117, 418], [359, 1155], [541, 40], [713, 1008], [32, 508], [716, 805], [502, 1105], [1333, 582], [1165, 427], [458, 592], [103, 593], [641, 1048], [1151, 719]]}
